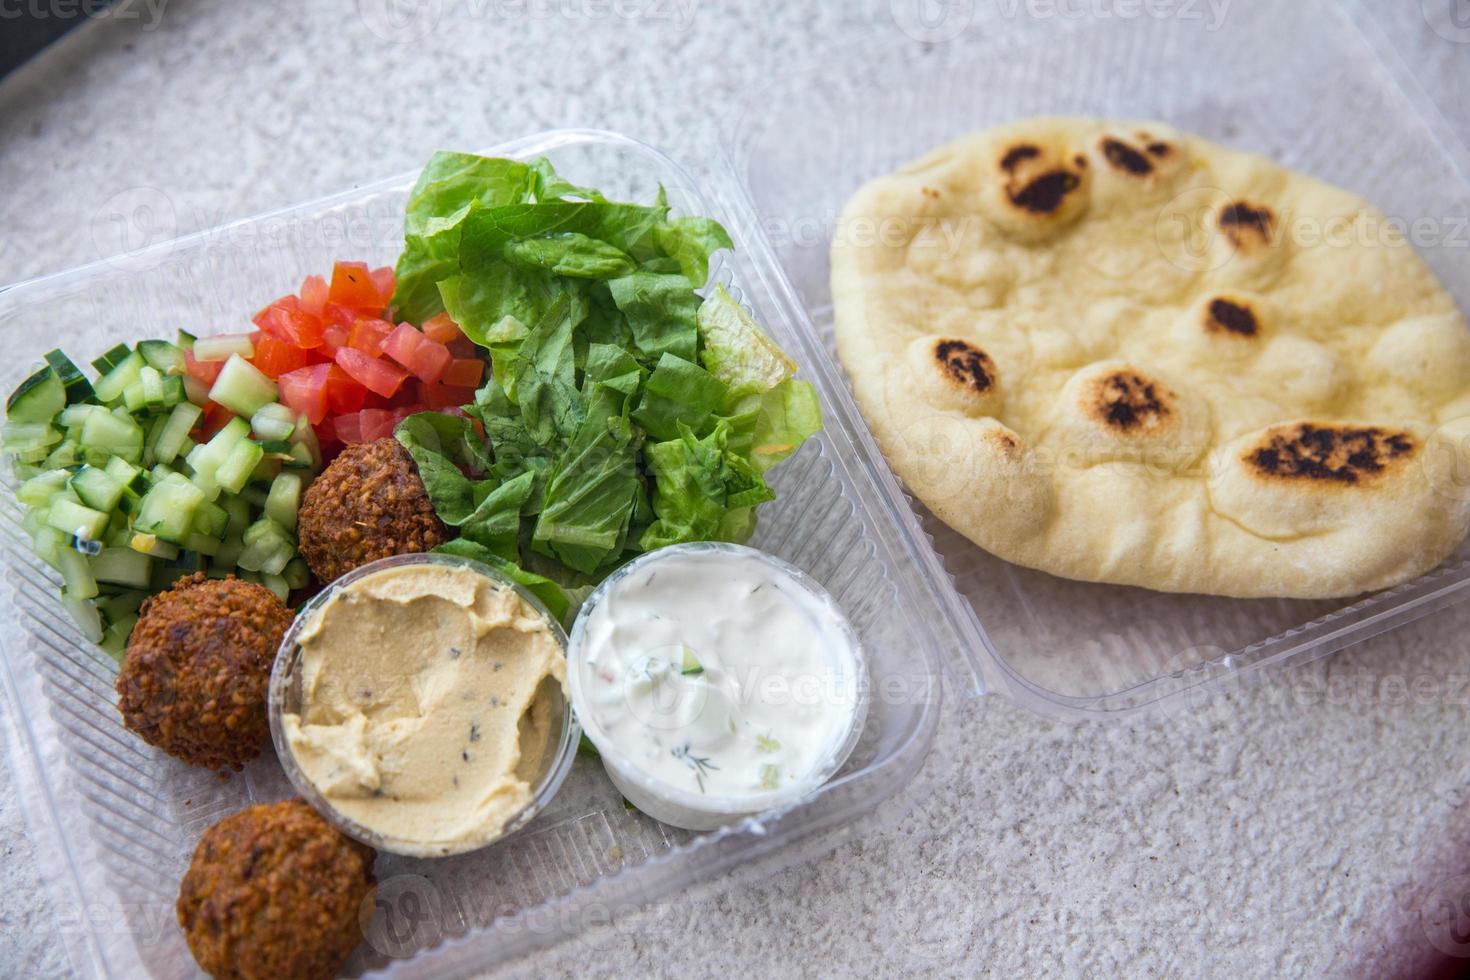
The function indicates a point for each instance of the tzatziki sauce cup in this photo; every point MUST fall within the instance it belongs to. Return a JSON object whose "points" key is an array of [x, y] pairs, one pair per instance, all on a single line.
{"points": [[716, 682]]}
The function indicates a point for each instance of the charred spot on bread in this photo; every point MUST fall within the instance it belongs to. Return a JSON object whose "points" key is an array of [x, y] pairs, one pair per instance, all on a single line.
{"points": [[1129, 401], [1017, 154], [966, 365], [1228, 316], [1045, 194], [1332, 454], [1247, 225], [1125, 158]]}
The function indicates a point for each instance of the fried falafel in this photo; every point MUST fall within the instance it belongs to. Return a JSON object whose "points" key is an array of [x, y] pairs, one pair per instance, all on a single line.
{"points": [[368, 504], [275, 891], [198, 664]]}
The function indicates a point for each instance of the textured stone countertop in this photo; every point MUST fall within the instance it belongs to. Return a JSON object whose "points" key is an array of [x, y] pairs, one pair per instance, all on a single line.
{"points": [[1304, 826]]}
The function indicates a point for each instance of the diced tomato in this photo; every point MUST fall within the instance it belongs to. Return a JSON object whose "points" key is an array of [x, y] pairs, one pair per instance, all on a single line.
{"points": [[313, 295], [214, 419], [343, 393], [334, 338], [304, 391], [291, 325], [348, 428], [463, 347], [424, 358], [464, 372], [205, 371], [353, 286], [441, 328], [385, 282], [440, 397], [368, 334], [287, 302], [369, 424], [343, 316], [276, 357], [376, 374]]}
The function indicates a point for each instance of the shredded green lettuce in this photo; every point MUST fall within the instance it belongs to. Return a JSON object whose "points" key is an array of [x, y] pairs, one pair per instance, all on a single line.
{"points": [[623, 411]]}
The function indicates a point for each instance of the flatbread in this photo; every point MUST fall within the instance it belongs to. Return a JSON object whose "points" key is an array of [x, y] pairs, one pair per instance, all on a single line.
{"points": [[1119, 353]]}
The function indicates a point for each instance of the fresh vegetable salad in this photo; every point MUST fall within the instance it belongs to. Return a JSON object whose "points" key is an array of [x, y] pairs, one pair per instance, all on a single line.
{"points": [[570, 391]]}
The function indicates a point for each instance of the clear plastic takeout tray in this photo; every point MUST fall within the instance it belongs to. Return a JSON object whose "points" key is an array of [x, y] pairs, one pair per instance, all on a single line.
{"points": [[118, 820], [1302, 83]]}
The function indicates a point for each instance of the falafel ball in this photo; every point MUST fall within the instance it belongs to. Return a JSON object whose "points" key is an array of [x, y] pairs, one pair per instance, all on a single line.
{"points": [[198, 663], [275, 891], [368, 504]]}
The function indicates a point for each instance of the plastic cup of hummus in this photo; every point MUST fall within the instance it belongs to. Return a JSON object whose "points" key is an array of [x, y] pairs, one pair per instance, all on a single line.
{"points": [[717, 682], [418, 704]]}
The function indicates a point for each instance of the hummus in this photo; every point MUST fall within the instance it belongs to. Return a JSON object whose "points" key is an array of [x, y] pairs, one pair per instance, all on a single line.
{"points": [[427, 705]]}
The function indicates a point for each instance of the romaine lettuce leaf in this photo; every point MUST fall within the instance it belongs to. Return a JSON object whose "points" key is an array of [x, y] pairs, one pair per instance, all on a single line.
{"points": [[622, 411]]}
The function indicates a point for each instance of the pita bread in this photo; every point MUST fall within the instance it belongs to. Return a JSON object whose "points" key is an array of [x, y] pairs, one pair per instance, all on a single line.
{"points": [[1120, 353]]}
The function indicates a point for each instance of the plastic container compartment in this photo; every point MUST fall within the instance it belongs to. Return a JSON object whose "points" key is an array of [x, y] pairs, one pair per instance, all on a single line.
{"points": [[117, 821], [1298, 82]]}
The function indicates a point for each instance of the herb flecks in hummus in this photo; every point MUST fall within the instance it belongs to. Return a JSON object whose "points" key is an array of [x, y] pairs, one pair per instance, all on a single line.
{"points": [[426, 707]]}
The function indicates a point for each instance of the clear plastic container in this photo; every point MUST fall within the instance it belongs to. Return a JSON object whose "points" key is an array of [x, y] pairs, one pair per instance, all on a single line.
{"points": [[1331, 108], [284, 697], [684, 808], [119, 820]]}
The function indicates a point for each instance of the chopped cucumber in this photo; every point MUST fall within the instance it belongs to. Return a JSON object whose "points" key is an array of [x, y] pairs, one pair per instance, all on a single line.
{"points": [[276, 584], [123, 566], [115, 637], [127, 474], [167, 510], [121, 604], [273, 422], [162, 356], [110, 386], [67, 453], [76, 572], [296, 574], [73, 416], [37, 398], [175, 431], [284, 500], [111, 359], [76, 519], [49, 544], [211, 519], [242, 387], [306, 436], [105, 434], [97, 488], [223, 347], [206, 458], [228, 554], [239, 511], [186, 340], [235, 471], [30, 442], [268, 548], [152, 382], [88, 620], [202, 544], [78, 388], [38, 490]]}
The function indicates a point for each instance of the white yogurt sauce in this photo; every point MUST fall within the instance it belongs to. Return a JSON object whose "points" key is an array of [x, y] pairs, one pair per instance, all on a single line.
{"points": [[717, 673]]}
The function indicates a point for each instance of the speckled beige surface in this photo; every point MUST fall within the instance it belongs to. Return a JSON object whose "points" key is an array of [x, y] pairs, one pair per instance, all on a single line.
{"points": [[1309, 825]]}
